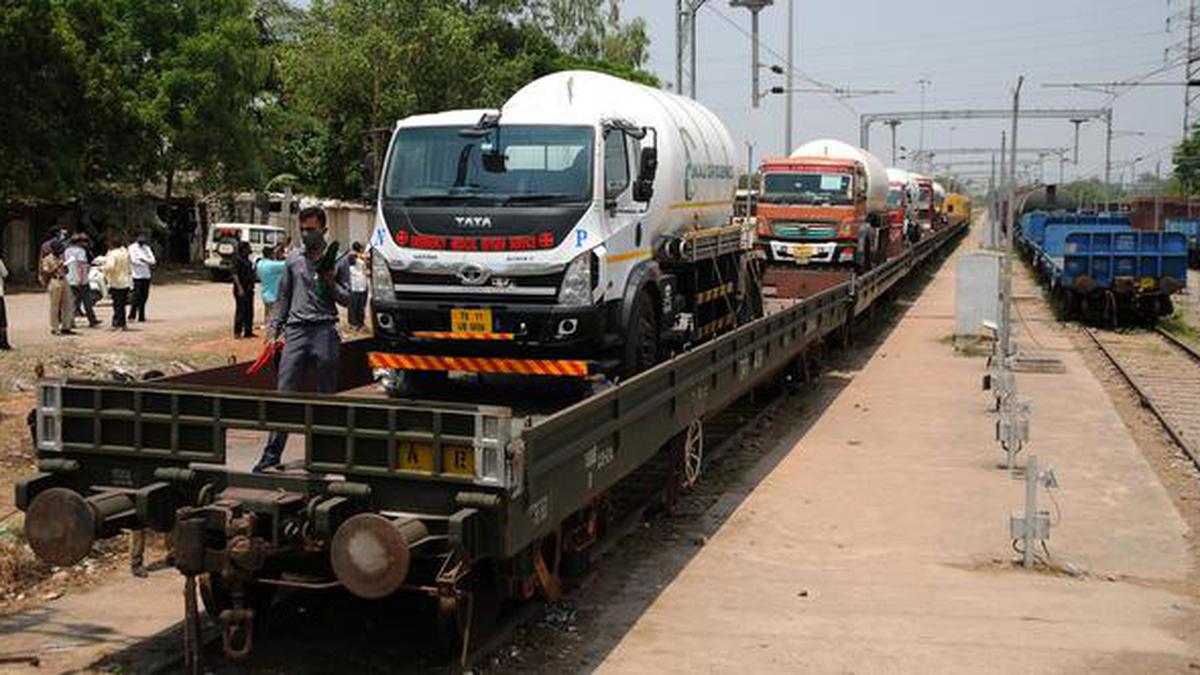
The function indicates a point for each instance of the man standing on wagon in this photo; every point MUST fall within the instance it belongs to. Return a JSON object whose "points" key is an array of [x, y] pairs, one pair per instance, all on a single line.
{"points": [[305, 316]]}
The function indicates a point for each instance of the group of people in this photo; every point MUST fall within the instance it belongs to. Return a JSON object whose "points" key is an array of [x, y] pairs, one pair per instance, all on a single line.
{"points": [[65, 269], [267, 272]]}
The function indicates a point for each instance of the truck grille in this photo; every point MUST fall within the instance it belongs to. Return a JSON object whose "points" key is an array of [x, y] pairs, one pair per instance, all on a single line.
{"points": [[798, 232], [537, 288]]}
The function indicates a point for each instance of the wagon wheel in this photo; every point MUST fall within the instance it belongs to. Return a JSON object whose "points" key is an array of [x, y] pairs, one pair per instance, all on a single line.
{"points": [[693, 453]]}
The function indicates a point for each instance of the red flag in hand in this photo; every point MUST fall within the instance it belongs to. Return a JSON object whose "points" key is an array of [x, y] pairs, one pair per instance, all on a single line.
{"points": [[267, 355]]}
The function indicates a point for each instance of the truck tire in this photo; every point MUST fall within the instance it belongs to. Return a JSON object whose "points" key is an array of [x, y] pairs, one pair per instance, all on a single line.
{"points": [[641, 348]]}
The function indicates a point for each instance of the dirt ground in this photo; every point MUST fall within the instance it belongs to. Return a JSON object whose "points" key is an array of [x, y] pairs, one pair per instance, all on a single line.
{"points": [[173, 341]]}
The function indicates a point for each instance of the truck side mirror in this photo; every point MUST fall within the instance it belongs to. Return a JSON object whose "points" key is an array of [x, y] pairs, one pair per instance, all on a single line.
{"points": [[643, 188]]}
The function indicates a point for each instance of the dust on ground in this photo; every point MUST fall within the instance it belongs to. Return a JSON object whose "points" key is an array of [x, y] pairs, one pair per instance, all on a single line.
{"points": [[24, 580]]}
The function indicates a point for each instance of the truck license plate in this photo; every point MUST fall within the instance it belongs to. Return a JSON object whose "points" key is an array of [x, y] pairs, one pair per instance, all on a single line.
{"points": [[471, 320], [458, 460], [803, 252]]}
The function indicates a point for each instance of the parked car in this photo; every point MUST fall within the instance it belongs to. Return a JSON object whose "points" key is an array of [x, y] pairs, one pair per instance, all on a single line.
{"points": [[223, 239]]}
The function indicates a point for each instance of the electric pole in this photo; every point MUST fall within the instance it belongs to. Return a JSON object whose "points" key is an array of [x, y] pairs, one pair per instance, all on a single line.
{"points": [[755, 6], [923, 82], [791, 61], [685, 45], [893, 124], [1192, 70], [1077, 122]]}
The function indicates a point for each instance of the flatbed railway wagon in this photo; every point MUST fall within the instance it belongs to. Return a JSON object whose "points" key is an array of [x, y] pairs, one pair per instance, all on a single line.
{"points": [[449, 497]]}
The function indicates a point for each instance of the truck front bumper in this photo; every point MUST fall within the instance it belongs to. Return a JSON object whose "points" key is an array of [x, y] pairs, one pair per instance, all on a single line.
{"points": [[517, 329], [811, 253]]}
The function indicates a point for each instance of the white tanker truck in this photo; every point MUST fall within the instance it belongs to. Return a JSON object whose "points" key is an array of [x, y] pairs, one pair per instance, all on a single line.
{"points": [[583, 227]]}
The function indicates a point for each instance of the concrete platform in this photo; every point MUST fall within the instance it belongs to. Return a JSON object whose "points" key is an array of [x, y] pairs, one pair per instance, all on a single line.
{"points": [[880, 543]]}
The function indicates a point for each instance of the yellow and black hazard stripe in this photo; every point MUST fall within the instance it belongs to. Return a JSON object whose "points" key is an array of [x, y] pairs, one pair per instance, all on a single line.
{"points": [[461, 335], [469, 364], [714, 293], [716, 326]]}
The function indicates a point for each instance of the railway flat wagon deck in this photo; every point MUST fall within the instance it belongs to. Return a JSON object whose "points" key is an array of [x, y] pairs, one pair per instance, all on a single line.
{"points": [[485, 488]]}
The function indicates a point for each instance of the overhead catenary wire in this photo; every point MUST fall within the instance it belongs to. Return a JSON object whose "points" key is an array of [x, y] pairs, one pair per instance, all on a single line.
{"points": [[783, 60]]}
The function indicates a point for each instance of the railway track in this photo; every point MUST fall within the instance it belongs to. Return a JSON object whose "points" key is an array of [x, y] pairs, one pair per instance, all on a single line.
{"points": [[1165, 373]]}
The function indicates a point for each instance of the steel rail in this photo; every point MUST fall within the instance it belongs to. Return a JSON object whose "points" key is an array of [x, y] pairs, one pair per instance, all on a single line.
{"points": [[1183, 346], [1145, 397]]}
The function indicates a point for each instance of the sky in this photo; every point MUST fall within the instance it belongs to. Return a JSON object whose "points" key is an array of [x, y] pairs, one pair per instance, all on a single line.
{"points": [[970, 51]]}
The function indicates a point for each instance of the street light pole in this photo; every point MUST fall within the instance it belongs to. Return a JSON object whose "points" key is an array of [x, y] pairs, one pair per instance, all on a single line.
{"points": [[1010, 225], [755, 6], [791, 61]]}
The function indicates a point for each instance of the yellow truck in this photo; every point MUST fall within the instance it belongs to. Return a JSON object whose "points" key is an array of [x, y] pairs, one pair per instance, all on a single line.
{"points": [[957, 208]]}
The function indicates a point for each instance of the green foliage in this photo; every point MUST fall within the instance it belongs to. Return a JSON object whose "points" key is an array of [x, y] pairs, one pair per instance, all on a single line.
{"points": [[358, 66], [113, 95], [106, 93], [1086, 191], [1187, 163], [592, 30]]}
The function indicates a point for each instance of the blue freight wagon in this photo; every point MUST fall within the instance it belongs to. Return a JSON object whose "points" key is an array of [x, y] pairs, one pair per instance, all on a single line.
{"points": [[1099, 268], [1191, 229]]}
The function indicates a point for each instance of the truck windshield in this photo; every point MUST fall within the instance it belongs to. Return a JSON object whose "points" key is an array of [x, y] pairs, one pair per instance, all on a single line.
{"points": [[807, 188], [895, 196], [509, 164]]}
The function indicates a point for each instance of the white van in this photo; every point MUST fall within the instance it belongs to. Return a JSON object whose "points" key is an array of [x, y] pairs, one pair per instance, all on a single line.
{"points": [[223, 239]]}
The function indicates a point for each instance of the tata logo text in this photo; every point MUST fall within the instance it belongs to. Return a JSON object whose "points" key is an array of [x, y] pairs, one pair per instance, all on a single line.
{"points": [[473, 222]]}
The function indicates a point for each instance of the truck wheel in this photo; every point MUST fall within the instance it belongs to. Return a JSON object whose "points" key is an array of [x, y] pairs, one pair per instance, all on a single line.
{"points": [[641, 340]]}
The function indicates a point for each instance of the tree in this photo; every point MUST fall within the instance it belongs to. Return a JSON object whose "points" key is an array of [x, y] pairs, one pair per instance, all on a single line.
{"points": [[104, 94], [1187, 163], [592, 30]]}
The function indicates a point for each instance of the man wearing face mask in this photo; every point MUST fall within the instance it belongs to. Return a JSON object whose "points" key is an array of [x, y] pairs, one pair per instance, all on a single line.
{"points": [[305, 316]]}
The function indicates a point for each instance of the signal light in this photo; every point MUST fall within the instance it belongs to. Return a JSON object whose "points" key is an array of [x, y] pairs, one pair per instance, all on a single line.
{"points": [[402, 237]]}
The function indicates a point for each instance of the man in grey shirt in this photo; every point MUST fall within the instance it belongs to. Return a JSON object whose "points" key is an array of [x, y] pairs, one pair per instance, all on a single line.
{"points": [[305, 315]]}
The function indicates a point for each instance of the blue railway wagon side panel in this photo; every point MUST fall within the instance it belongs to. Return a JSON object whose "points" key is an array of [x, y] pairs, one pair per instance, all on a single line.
{"points": [[1138, 256], [1035, 225]]}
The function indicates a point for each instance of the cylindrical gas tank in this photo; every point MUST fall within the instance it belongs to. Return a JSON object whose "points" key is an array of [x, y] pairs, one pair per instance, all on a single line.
{"points": [[697, 161], [876, 173]]}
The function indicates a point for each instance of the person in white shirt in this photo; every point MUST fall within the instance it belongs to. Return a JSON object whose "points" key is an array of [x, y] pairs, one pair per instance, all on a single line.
{"points": [[4, 345], [78, 266], [141, 259], [356, 312]]}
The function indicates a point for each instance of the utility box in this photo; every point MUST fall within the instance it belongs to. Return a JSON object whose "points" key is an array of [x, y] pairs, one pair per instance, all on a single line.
{"points": [[977, 293]]}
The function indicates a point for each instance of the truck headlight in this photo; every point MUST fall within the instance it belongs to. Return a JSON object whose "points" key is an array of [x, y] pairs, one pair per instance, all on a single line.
{"points": [[381, 278], [577, 283]]}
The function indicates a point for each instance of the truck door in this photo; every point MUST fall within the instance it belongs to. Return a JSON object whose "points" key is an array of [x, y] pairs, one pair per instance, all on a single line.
{"points": [[627, 244]]}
